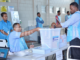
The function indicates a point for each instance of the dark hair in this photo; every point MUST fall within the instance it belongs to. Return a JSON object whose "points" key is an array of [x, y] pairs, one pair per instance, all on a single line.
{"points": [[3, 14], [74, 4], [58, 11], [38, 13], [67, 11], [15, 24]]}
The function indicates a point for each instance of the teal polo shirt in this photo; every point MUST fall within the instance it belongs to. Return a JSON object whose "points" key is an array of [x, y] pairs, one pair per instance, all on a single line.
{"points": [[5, 26]]}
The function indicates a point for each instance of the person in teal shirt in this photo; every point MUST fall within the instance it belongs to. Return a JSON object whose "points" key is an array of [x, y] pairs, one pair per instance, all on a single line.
{"points": [[5, 26], [16, 40], [67, 16], [39, 21]]}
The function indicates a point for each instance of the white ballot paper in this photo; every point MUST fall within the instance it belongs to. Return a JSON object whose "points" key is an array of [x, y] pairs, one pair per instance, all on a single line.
{"points": [[63, 41], [50, 38], [59, 55]]}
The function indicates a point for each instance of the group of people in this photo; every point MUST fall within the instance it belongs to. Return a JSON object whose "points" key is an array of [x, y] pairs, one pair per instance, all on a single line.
{"points": [[14, 35], [72, 25]]}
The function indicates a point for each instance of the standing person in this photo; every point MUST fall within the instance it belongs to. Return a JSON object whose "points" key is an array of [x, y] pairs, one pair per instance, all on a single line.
{"points": [[66, 18], [5, 26], [58, 17], [39, 21], [73, 24]]}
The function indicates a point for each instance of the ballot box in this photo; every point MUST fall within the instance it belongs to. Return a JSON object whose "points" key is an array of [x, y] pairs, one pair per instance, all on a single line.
{"points": [[50, 38]]}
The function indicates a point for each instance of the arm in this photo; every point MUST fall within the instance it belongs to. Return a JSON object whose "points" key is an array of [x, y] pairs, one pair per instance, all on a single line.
{"points": [[26, 33], [39, 21], [3, 32], [74, 18], [11, 30]]}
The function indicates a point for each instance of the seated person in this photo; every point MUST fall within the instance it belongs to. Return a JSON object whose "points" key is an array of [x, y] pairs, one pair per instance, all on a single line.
{"points": [[16, 40]]}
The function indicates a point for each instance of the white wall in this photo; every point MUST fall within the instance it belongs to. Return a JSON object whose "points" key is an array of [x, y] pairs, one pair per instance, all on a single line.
{"points": [[28, 9]]}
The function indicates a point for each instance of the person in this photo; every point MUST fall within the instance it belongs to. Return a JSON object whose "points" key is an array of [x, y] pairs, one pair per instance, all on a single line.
{"points": [[39, 20], [58, 17], [66, 18], [5, 26], [73, 24], [16, 40], [40, 23]]}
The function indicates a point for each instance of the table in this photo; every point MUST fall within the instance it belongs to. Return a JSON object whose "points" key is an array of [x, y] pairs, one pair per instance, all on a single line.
{"points": [[32, 56]]}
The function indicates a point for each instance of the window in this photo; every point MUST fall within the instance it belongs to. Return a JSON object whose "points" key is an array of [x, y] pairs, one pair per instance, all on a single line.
{"points": [[63, 10], [51, 9], [57, 9], [43, 9]]}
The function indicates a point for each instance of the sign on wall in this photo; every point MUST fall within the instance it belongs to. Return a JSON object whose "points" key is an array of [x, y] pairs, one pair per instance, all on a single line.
{"points": [[3, 8], [4, 0], [10, 8], [15, 17]]}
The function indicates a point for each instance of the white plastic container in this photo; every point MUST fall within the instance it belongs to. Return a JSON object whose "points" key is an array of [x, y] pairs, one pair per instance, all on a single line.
{"points": [[50, 38]]}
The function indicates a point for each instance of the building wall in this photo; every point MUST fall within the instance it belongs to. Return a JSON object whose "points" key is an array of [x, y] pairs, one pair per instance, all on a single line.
{"points": [[28, 8]]}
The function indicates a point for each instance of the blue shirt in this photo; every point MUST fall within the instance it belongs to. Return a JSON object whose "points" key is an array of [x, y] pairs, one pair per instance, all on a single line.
{"points": [[73, 24], [67, 17], [40, 22], [5, 26], [16, 43], [58, 18]]}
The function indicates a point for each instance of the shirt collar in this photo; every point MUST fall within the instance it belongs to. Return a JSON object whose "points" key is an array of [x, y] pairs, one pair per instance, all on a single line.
{"points": [[38, 17], [4, 21], [77, 11]]}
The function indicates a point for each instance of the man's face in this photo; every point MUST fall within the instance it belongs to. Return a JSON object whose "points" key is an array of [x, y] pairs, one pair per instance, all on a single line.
{"points": [[68, 13], [5, 17], [59, 13], [18, 28], [39, 15], [72, 9]]}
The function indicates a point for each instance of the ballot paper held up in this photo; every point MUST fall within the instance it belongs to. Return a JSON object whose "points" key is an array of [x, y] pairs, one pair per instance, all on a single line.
{"points": [[50, 38], [3, 8]]}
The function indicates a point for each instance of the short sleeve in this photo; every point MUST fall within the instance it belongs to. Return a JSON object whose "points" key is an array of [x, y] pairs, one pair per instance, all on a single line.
{"points": [[11, 28], [17, 35], [0, 25], [71, 21]]}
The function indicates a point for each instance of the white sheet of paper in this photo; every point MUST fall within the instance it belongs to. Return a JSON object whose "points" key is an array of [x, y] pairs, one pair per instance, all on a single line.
{"points": [[15, 17], [10, 8], [59, 55]]}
